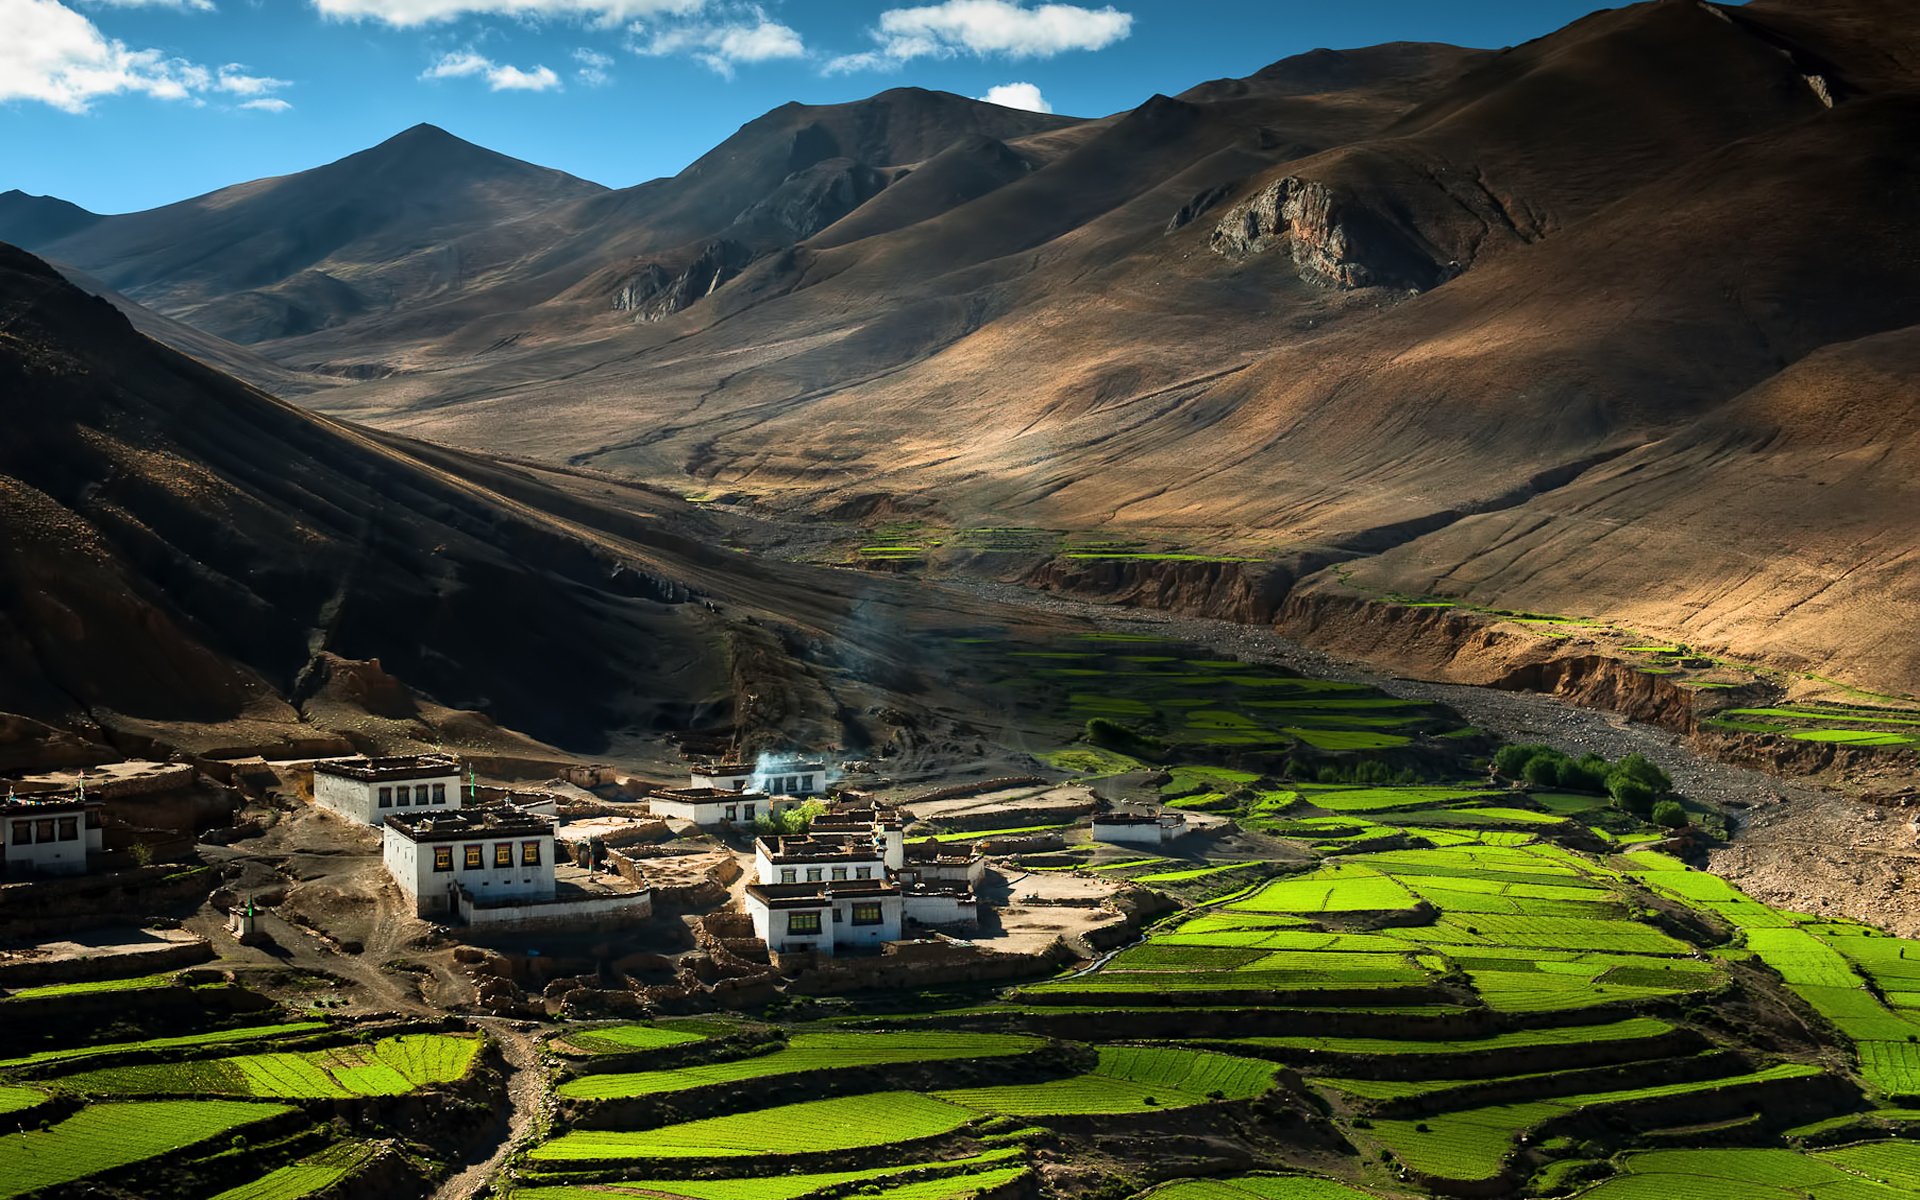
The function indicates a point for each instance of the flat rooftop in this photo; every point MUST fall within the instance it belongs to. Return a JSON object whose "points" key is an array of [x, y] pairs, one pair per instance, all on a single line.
{"points": [[703, 795], [813, 895], [738, 768], [851, 848], [457, 824], [382, 770]]}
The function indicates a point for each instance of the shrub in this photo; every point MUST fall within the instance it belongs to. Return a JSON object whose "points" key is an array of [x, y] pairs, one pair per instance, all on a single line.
{"points": [[1511, 761], [1641, 769], [797, 819], [1630, 795], [1589, 774], [1668, 814], [1543, 770]]}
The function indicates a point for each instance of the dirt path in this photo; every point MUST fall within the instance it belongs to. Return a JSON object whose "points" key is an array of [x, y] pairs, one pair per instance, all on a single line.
{"points": [[526, 1111]]}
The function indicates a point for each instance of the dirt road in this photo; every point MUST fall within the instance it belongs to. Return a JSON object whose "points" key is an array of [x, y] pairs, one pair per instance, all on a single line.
{"points": [[527, 1101]]}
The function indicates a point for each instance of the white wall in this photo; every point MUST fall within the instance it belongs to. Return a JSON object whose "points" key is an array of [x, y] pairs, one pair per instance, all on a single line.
{"points": [[360, 799], [940, 910], [57, 856], [1154, 834], [412, 866], [714, 812]]}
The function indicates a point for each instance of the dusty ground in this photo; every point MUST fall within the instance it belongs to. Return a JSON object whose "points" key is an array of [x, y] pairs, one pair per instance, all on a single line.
{"points": [[1030, 909], [990, 810]]}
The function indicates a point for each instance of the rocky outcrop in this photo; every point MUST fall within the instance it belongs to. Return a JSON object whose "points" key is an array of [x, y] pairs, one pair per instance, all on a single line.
{"points": [[1333, 241], [811, 199], [1202, 203], [655, 293]]}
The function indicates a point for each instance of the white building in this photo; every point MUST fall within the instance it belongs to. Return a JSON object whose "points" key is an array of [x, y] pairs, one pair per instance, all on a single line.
{"points": [[885, 825], [1138, 828], [707, 806], [51, 836], [825, 917], [794, 778], [370, 790], [490, 854], [819, 858]]}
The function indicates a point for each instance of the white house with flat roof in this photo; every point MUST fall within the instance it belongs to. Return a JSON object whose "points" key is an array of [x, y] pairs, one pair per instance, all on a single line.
{"points": [[825, 917], [370, 790], [1138, 828], [818, 858], [491, 854], [54, 835], [780, 778], [710, 807]]}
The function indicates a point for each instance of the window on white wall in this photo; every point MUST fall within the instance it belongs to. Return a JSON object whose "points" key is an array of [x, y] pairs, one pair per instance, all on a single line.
{"points": [[386, 797]]}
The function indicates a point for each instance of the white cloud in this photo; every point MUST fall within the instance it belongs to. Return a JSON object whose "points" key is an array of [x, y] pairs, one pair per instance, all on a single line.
{"points": [[984, 28], [196, 5], [268, 104], [1018, 95], [420, 12], [595, 69], [51, 54], [748, 37], [500, 77], [234, 80]]}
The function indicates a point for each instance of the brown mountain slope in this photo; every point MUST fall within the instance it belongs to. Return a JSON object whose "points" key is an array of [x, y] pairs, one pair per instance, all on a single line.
{"points": [[1178, 326], [185, 561], [1782, 523], [278, 257]]}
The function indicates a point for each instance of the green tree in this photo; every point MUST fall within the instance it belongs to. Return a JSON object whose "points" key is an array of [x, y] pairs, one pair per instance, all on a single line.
{"points": [[1511, 761], [1630, 795], [1669, 814], [1543, 770]]}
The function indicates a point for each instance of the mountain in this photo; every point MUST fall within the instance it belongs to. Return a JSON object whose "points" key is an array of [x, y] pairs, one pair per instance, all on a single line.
{"points": [[1402, 310], [300, 252], [40, 218], [189, 564]]}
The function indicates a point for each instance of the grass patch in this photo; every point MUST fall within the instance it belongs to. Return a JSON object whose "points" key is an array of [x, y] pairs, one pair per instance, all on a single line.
{"points": [[804, 1052], [810, 1127], [102, 1137], [1129, 1079]]}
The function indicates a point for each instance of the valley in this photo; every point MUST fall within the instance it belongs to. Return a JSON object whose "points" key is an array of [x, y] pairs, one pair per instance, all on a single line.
{"points": [[1343, 633]]}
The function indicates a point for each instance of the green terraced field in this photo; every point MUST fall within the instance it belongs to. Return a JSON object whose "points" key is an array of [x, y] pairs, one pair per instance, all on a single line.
{"points": [[1343, 887], [1129, 1079], [776, 1187], [621, 1039], [1869, 1171], [14, 1099], [1630, 1029], [1471, 1144], [102, 1137], [805, 1052], [219, 1037], [1256, 1187], [810, 1127], [143, 983], [314, 1173], [1383, 799], [392, 1066]]}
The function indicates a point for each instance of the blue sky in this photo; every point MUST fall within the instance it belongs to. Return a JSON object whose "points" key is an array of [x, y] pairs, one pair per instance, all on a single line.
{"points": [[125, 104]]}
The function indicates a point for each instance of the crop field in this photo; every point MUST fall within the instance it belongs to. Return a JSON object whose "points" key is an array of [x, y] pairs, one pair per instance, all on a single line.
{"points": [[102, 1137], [776, 1187], [1631, 1029], [621, 1039], [1343, 887], [14, 1099], [392, 1066], [1129, 1079], [1256, 1187], [141, 984], [1386, 799], [810, 1127], [216, 1038], [314, 1173], [805, 1052], [1868, 1171]]}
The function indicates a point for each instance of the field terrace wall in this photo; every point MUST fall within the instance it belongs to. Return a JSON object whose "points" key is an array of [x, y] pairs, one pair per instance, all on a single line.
{"points": [[906, 966], [703, 880], [111, 781], [63, 904], [960, 791]]}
